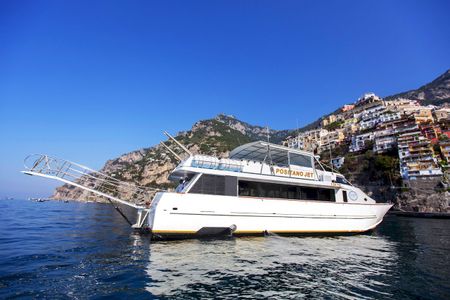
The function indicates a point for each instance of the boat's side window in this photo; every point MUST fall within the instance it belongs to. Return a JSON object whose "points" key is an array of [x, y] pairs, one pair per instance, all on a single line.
{"points": [[244, 189], [215, 185], [308, 193], [300, 160], [325, 195], [292, 192], [247, 188], [344, 196], [273, 190]]}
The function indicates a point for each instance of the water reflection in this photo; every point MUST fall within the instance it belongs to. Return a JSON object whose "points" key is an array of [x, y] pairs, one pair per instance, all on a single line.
{"points": [[423, 248], [273, 266]]}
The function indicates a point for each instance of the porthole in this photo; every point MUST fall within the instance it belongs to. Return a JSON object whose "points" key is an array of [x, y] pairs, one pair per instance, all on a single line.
{"points": [[353, 195]]}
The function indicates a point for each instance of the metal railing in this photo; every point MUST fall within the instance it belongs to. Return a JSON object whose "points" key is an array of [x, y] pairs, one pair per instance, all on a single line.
{"points": [[88, 179]]}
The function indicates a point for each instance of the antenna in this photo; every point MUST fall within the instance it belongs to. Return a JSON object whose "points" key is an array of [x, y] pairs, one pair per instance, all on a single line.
{"points": [[268, 147], [178, 143], [329, 148], [171, 151]]}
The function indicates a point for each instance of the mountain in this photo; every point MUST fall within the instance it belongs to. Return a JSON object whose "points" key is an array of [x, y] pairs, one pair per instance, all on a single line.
{"points": [[151, 167], [436, 92], [252, 131]]}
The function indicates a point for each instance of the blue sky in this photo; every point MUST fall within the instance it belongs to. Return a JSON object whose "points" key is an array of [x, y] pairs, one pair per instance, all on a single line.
{"points": [[90, 80]]}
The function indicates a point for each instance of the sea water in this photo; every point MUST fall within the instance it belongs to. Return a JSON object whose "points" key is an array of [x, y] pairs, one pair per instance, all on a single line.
{"points": [[86, 250]]}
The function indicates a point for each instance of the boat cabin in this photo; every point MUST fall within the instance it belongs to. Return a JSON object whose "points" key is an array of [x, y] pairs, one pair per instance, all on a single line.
{"points": [[264, 170]]}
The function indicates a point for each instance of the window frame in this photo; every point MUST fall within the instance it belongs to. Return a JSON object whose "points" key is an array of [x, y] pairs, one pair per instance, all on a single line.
{"points": [[230, 185], [284, 191], [311, 163]]}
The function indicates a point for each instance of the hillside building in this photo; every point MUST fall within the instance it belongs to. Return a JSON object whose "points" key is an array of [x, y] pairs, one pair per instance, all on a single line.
{"points": [[417, 160], [442, 114], [369, 118], [361, 141], [347, 107], [431, 132], [401, 105], [424, 115], [445, 151], [328, 120], [384, 140], [350, 126], [338, 162], [377, 117], [367, 101], [331, 140], [308, 140]]}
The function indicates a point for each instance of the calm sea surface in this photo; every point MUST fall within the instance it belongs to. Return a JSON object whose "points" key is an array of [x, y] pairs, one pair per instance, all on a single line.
{"points": [[86, 250]]}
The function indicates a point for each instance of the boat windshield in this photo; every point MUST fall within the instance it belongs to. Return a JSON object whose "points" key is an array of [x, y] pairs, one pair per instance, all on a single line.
{"points": [[342, 180], [300, 160]]}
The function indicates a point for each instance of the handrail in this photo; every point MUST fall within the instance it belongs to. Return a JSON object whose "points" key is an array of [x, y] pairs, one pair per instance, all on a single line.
{"points": [[86, 178]]}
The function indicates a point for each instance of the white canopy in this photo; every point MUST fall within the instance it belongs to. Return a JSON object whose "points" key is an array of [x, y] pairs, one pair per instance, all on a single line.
{"points": [[260, 150]]}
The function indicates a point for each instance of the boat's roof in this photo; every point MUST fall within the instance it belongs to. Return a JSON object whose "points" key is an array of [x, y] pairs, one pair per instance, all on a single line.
{"points": [[258, 151]]}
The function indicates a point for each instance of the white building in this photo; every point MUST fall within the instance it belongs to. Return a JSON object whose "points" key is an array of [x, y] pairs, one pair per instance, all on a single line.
{"points": [[308, 140], [401, 105], [359, 142], [338, 162], [384, 140], [390, 116]]}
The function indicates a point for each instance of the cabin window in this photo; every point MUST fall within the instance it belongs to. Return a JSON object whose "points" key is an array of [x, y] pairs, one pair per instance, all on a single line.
{"points": [[344, 196], [284, 191], [300, 160], [244, 188], [325, 194], [292, 192], [280, 160], [215, 185], [342, 180]]}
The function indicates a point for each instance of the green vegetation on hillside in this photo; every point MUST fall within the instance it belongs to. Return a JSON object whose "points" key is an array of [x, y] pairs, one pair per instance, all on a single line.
{"points": [[214, 137], [368, 168], [333, 126]]}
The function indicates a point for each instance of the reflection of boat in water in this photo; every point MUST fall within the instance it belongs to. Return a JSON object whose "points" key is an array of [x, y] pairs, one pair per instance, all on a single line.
{"points": [[261, 188], [289, 267]]}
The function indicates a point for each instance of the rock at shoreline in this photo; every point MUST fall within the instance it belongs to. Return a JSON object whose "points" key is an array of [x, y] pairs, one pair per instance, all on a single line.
{"points": [[423, 201]]}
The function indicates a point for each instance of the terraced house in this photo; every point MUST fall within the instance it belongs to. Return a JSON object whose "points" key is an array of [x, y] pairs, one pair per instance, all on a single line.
{"points": [[372, 123]]}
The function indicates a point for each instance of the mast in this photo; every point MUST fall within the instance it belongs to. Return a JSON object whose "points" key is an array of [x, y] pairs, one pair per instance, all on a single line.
{"points": [[178, 143]]}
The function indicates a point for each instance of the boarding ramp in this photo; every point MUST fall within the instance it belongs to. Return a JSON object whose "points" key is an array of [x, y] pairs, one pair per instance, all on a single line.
{"points": [[93, 181]]}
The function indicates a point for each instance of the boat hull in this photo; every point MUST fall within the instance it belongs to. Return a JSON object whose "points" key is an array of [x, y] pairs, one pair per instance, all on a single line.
{"points": [[177, 215]]}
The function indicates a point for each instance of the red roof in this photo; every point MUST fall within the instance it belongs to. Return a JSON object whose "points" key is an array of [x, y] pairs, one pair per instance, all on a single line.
{"points": [[435, 140]]}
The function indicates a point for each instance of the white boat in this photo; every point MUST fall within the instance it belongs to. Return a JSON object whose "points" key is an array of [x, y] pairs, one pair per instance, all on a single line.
{"points": [[261, 188]]}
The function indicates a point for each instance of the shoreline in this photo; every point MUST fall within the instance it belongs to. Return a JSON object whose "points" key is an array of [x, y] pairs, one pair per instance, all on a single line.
{"points": [[413, 214]]}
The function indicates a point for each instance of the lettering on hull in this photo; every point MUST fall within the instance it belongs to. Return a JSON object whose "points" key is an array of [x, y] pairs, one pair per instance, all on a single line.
{"points": [[295, 173]]}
